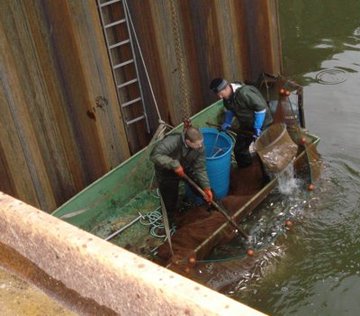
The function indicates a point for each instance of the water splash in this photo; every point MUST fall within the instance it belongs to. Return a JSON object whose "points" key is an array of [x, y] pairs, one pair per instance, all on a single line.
{"points": [[287, 183]]}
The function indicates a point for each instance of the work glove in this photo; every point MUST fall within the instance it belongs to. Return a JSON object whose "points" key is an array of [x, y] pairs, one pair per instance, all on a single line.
{"points": [[224, 127], [227, 121], [259, 118], [257, 132], [208, 195], [180, 171]]}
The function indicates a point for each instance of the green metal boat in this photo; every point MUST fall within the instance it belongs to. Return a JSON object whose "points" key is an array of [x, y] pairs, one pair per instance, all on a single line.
{"points": [[122, 205]]}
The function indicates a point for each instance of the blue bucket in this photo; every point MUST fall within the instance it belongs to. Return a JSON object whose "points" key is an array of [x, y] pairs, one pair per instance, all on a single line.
{"points": [[218, 147]]}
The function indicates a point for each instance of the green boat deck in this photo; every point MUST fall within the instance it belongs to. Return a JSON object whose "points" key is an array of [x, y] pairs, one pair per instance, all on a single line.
{"points": [[116, 199]]}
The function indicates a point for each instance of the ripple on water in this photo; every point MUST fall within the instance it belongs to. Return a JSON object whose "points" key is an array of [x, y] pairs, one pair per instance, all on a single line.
{"points": [[331, 76]]}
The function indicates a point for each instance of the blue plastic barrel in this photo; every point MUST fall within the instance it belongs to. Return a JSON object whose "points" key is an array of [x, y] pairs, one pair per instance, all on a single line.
{"points": [[218, 148]]}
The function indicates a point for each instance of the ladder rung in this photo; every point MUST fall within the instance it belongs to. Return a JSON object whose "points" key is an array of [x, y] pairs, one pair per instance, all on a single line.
{"points": [[123, 64], [127, 83], [130, 102], [136, 119], [104, 4], [119, 44], [114, 23]]}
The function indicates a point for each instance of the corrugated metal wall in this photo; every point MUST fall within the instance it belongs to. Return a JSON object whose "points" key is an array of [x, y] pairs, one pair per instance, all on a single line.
{"points": [[187, 43], [61, 123]]}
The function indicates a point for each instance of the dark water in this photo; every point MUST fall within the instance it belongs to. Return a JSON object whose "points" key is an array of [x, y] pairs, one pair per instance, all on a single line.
{"points": [[319, 272]]}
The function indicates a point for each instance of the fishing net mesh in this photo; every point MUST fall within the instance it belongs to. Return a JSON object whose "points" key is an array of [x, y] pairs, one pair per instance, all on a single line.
{"points": [[286, 139]]}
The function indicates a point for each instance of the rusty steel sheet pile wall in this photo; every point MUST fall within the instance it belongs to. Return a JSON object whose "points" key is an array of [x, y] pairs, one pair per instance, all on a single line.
{"points": [[62, 126], [198, 40], [97, 270]]}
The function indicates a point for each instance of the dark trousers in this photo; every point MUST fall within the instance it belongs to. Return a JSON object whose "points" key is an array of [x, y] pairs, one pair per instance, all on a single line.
{"points": [[169, 190], [241, 150]]}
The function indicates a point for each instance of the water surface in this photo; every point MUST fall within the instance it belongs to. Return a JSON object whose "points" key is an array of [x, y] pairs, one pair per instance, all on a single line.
{"points": [[319, 273]]}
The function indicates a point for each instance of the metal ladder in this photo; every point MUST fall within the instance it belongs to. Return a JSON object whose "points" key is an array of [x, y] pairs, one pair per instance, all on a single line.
{"points": [[114, 17]]}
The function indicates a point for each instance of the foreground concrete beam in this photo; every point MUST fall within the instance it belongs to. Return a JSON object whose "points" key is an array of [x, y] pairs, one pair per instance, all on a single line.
{"points": [[111, 276]]}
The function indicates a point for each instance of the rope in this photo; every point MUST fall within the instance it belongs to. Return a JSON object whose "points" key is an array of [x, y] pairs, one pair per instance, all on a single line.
{"points": [[179, 53], [155, 221]]}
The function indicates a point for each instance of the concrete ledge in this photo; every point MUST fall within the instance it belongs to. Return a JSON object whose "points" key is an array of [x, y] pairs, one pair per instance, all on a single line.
{"points": [[107, 274]]}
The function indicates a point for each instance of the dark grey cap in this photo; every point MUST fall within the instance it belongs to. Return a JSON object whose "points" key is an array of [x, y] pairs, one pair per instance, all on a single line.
{"points": [[218, 84]]}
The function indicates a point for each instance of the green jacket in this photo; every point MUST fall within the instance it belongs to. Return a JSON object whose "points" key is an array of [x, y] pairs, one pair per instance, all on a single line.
{"points": [[244, 102], [171, 152]]}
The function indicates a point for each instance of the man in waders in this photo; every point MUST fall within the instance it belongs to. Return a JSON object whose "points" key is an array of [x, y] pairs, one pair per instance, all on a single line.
{"points": [[247, 104], [174, 156]]}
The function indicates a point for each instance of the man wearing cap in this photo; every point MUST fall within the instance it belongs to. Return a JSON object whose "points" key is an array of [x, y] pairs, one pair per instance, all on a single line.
{"points": [[174, 156], [247, 104]]}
